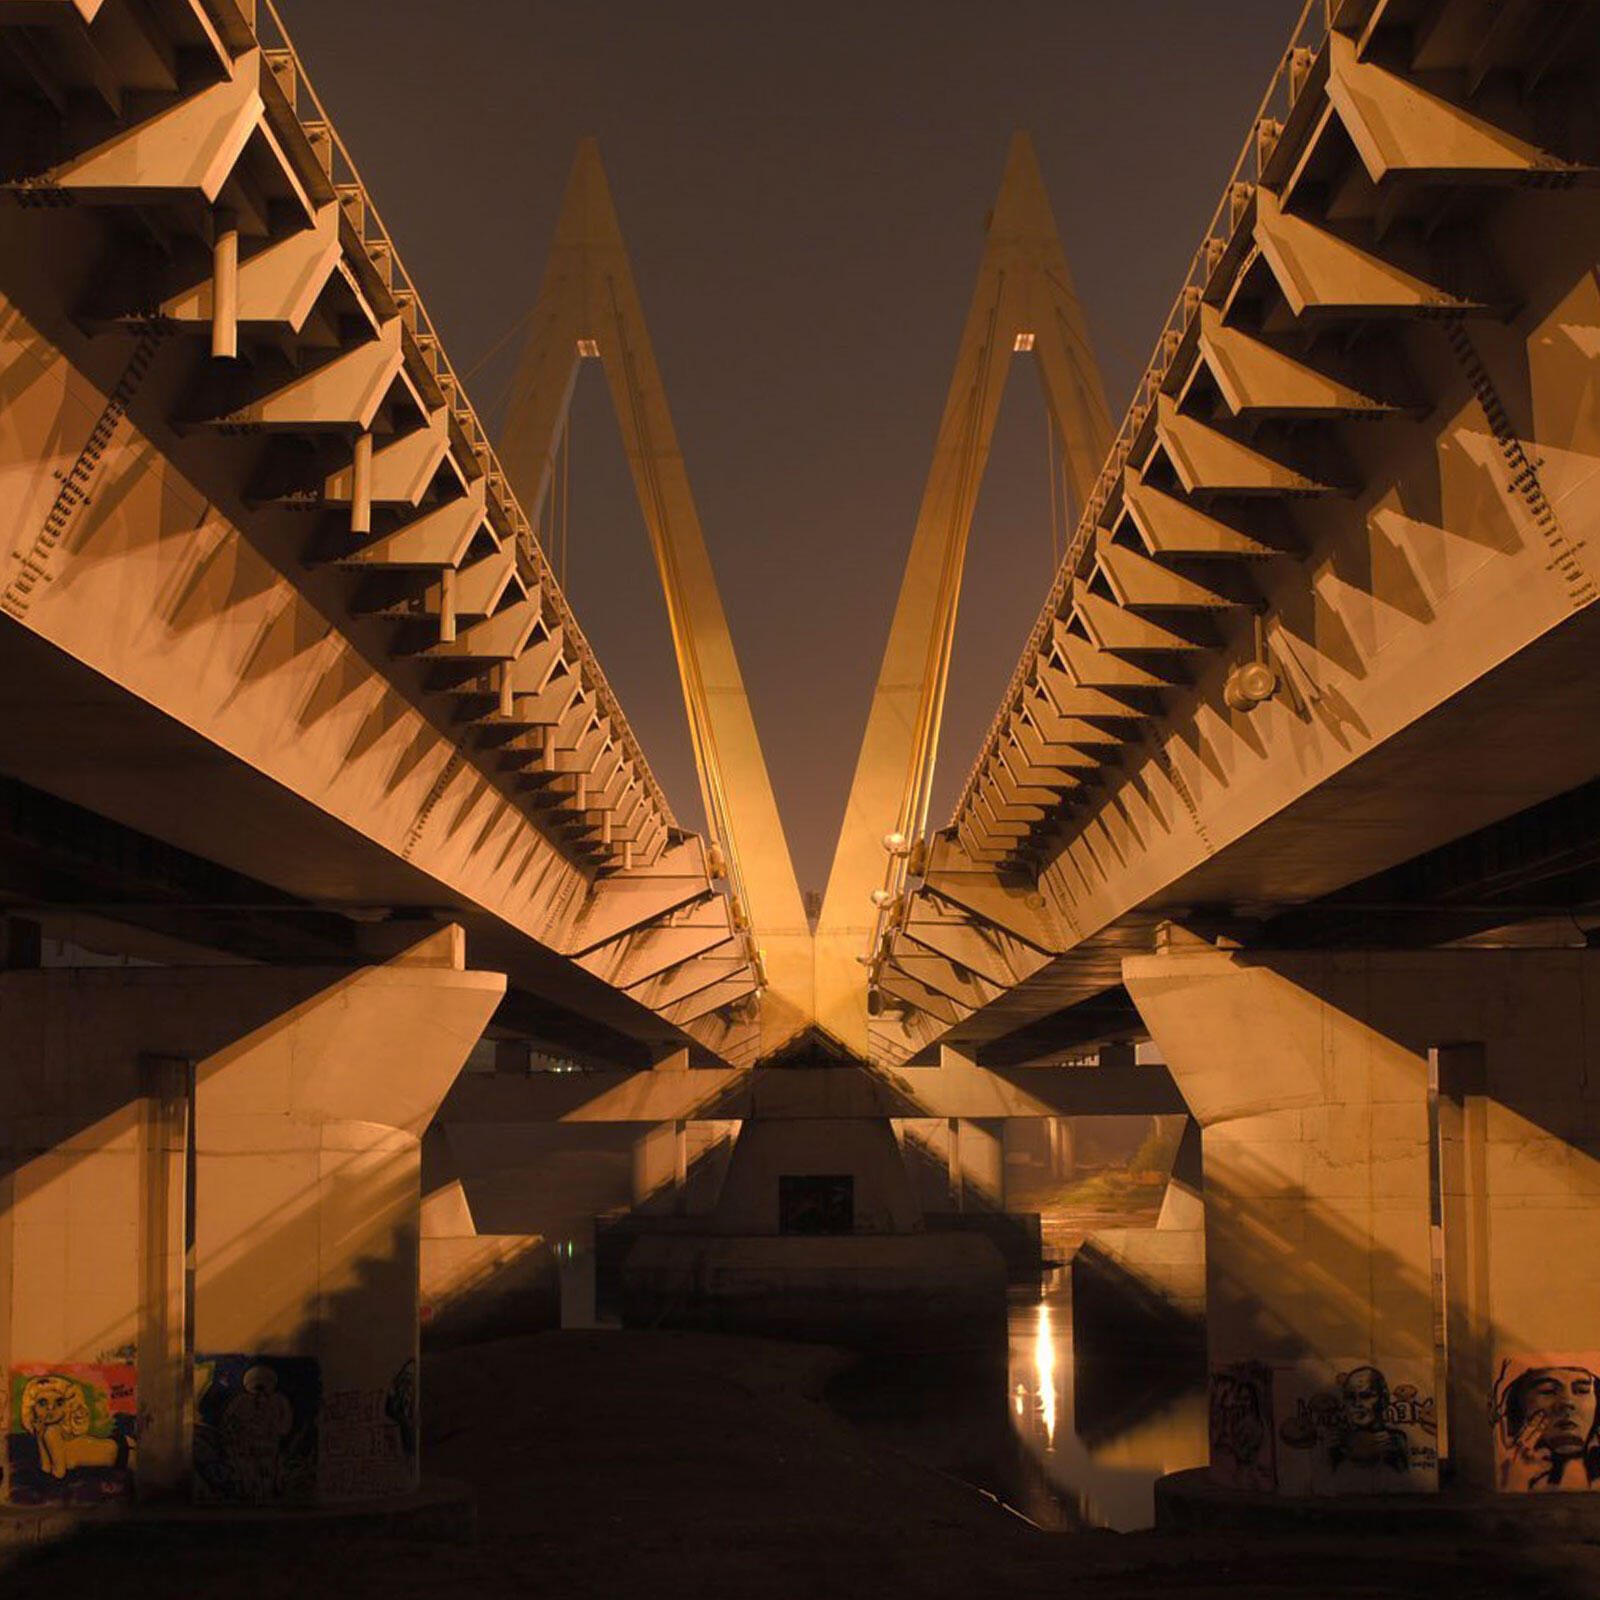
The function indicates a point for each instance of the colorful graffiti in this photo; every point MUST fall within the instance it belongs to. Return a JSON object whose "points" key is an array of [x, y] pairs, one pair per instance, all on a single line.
{"points": [[255, 1433], [1356, 1427], [1241, 1427], [369, 1440], [71, 1435], [1546, 1431]]}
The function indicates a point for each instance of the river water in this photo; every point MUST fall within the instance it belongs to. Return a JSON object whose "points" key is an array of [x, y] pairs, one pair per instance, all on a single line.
{"points": [[1067, 1437]]}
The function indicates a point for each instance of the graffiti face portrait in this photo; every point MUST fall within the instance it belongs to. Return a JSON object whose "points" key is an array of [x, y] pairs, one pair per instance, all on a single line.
{"points": [[1241, 1426], [72, 1434], [1563, 1400], [1552, 1410], [1547, 1423], [54, 1403], [255, 1437], [1366, 1398], [1359, 1428]]}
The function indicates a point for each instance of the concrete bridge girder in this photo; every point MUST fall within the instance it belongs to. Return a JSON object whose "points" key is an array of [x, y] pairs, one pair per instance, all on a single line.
{"points": [[341, 409], [957, 1087]]}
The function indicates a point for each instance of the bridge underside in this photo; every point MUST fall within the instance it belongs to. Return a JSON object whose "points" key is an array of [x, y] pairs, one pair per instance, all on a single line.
{"points": [[1408, 846], [286, 679], [304, 883]]}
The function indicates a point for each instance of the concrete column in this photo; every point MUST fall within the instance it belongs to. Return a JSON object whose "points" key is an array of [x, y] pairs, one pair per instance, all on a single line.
{"points": [[975, 1155], [657, 1179], [1063, 1147], [1310, 1075], [310, 1091], [983, 1163], [165, 1346]]}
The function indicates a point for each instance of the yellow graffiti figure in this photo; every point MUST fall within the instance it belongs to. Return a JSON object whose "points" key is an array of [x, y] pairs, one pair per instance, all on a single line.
{"points": [[55, 1411]]}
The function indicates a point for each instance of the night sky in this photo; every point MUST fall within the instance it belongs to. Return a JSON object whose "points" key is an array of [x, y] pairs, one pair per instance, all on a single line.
{"points": [[803, 190]]}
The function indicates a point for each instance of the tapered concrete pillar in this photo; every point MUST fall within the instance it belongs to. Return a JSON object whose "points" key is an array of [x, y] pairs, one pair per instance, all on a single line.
{"points": [[288, 1104], [306, 1229], [1342, 1341]]}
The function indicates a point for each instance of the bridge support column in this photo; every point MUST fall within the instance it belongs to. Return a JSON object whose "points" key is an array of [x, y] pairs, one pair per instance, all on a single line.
{"points": [[1401, 1176], [977, 1163], [208, 1223]]}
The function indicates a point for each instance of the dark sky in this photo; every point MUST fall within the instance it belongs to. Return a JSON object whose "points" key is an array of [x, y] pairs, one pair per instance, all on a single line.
{"points": [[802, 188]]}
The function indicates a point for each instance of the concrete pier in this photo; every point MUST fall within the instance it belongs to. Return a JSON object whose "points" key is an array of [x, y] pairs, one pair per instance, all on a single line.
{"points": [[1400, 1183], [481, 1285], [209, 1224]]}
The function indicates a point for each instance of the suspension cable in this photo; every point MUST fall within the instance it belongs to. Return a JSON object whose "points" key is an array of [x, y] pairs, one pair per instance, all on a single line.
{"points": [[1050, 472], [499, 345], [566, 489], [702, 737]]}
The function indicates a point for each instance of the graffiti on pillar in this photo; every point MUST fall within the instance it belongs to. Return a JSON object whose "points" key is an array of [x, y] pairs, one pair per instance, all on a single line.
{"points": [[1357, 1427], [400, 1406], [1546, 1431], [70, 1440], [255, 1431], [1242, 1455], [369, 1440]]}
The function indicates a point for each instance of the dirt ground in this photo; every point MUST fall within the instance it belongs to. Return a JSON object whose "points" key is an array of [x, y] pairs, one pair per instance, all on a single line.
{"points": [[622, 1464]]}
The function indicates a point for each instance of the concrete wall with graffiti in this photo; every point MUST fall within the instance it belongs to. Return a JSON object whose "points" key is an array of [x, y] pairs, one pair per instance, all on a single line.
{"points": [[267, 1433], [1372, 1427], [70, 1433], [1542, 1413], [1345, 1427]]}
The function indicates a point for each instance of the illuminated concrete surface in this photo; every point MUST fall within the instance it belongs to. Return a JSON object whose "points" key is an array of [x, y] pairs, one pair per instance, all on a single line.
{"points": [[301, 730]]}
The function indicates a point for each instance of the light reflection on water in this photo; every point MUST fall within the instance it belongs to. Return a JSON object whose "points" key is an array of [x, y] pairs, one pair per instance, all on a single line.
{"points": [[1044, 1372], [1067, 1442], [1150, 1421]]}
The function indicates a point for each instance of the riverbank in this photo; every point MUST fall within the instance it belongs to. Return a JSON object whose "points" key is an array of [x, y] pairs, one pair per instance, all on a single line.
{"points": [[619, 1464]]}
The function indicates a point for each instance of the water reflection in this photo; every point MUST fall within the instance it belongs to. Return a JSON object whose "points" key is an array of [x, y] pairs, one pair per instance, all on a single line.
{"points": [[1044, 1370], [1099, 1452], [1068, 1437]]}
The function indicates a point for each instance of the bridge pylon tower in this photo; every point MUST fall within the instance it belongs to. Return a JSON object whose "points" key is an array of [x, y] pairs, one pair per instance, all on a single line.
{"points": [[589, 307], [1024, 300]]}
